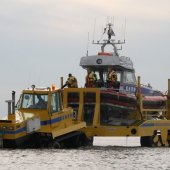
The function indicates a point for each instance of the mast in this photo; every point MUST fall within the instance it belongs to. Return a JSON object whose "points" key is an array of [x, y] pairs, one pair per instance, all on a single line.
{"points": [[110, 41]]}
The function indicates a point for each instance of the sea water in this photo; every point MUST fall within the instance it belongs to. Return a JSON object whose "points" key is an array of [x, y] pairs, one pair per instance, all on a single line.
{"points": [[106, 154]]}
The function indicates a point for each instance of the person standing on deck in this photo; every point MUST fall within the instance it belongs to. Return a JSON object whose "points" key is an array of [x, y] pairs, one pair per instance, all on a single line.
{"points": [[91, 78], [111, 78], [71, 82]]}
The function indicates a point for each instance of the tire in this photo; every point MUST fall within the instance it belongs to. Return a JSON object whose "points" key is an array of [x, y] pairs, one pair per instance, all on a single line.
{"points": [[54, 145], [147, 141]]}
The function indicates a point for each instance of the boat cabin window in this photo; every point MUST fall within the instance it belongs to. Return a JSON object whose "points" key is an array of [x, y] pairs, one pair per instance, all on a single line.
{"points": [[130, 77], [102, 77], [56, 104], [118, 75], [34, 101]]}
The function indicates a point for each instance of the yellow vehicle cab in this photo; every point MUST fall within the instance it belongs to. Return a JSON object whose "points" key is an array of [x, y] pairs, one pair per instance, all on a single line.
{"points": [[40, 120]]}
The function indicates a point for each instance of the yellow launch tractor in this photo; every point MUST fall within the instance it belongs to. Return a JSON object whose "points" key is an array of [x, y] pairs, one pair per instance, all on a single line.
{"points": [[40, 120]]}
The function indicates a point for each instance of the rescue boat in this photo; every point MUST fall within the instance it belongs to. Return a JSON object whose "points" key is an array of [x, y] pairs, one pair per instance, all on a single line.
{"points": [[120, 99]]}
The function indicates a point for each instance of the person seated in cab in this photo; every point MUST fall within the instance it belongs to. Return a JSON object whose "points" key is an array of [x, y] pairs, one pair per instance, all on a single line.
{"points": [[71, 82], [41, 104], [91, 78], [112, 79]]}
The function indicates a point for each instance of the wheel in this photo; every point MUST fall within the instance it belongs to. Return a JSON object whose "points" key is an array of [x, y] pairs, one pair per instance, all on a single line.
{"points": [[54, 145], [86, 141], [168, 142], [78, 141], [90, 141], [73, 142], [147, 141]]}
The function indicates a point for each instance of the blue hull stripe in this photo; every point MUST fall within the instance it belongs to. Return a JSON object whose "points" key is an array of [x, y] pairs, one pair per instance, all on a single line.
{"points": [[55, 120], [155, 124], [11, 132], [45, 122]]}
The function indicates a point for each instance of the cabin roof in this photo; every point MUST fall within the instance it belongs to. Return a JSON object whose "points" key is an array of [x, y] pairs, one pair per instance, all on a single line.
{"points": [[104, 61]]}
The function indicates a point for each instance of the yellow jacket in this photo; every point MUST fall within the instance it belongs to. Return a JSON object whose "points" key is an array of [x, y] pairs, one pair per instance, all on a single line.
{"points": [[112, 76], [72, 82], [90, 79]]}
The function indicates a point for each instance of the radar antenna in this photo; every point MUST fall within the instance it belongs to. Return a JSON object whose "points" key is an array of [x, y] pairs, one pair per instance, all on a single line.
{"points": [[110, 41], [87, 44]]}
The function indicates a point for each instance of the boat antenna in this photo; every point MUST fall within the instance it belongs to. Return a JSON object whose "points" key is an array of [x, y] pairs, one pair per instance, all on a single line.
{"points": [[122, 33], [125, 29], [112, 20], [107, 21], [87, 47], [111, 41], [103, 32], [94, 29]]}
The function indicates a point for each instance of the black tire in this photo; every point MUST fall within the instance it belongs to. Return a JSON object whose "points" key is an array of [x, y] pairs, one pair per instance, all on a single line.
{"points": [[90, 141], [54, 145], [169, 142], [147, 141]]}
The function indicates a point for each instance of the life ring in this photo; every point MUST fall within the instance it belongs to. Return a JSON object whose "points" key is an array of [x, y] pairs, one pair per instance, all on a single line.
{"points": [[104, 53]]}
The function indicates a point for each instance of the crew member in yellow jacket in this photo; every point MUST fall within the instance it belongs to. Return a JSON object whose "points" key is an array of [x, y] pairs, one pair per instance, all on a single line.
{"points": [[71, 82], [111, 78], [91, 78]]}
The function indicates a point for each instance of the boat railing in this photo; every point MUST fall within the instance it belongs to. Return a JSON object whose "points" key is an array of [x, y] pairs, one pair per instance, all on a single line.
{"points": [[163, 113]]}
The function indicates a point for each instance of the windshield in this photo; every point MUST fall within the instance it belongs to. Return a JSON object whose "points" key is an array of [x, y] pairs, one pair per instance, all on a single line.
{"points": [[103, 76], [35, 101], [56, 103], [130, 77]]}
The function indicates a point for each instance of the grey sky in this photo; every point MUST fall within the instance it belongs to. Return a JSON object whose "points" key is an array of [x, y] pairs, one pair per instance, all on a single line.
{"points": [[42, 40]]}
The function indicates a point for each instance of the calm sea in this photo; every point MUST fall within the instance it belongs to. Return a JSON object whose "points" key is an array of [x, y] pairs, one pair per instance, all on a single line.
{"points": [[106, 154]]}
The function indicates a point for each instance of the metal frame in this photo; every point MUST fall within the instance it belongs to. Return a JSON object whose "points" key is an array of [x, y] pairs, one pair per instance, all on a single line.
{"points": [[156, 129]]}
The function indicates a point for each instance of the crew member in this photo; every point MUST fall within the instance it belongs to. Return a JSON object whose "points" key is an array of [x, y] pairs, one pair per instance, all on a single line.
{"points": [[111, 78], [71, 82], [91, 78]]}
